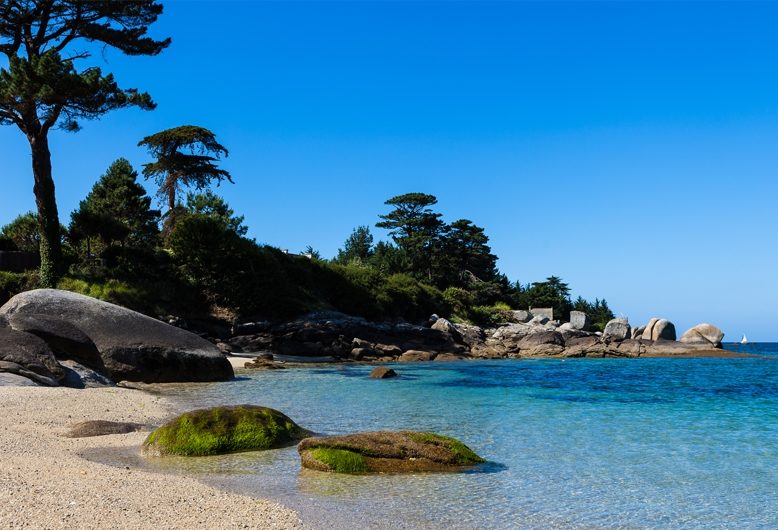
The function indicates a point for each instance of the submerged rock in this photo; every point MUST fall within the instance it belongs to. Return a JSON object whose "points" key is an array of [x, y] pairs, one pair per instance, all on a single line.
{"points": [[386, 452], [381, 372], [220, 430]]}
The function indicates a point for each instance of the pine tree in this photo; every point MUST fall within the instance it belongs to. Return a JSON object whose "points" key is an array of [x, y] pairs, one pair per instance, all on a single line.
{"points": [[41, 88], [357, 248], [118, 198]]}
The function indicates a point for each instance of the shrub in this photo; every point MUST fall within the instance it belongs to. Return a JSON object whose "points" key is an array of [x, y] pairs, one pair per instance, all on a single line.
{"points": [[12, 283]]}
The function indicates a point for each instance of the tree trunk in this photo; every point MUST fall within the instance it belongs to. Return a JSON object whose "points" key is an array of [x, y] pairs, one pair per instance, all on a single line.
{"points": [[48, 218]]}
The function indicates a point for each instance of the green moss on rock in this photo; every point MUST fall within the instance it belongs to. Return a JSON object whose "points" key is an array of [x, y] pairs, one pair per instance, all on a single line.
{"points": [[220, 430], [386, 452], [462, 453], [340, 460]]}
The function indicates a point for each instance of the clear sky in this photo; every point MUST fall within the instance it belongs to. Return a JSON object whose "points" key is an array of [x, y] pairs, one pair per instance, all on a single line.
{"points": [[630, 148]]}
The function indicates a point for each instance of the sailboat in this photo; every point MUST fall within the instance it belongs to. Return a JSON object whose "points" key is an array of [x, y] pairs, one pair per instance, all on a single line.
{"points": [[744, 340]]}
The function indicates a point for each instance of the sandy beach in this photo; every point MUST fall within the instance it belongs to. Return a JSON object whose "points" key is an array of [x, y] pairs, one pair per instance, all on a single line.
{"points": [[45, 483]]}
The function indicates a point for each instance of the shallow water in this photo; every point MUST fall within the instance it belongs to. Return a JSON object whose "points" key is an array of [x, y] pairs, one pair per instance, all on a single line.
{"points": [[579, 443]]}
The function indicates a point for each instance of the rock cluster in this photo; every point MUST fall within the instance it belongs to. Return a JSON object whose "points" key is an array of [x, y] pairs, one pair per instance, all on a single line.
{"points": [[338, 336], [341, 337]]}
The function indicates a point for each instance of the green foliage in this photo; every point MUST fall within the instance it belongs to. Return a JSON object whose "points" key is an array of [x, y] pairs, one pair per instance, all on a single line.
{"points": [[185, 157], [465, 257], [24, 232], [404, 296], [117, 209], [220, 430], [211, 205], [415, 228], [552, 293], [132, 295], [340, 460], [357, 248], [488, 316], [12, 283]]}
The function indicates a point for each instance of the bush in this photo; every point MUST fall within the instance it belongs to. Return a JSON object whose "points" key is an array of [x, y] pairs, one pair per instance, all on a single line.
{"points": [[489, 316], [12, 283], [115, 291]]}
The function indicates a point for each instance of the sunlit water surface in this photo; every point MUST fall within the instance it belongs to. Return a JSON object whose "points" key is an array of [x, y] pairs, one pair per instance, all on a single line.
{"points": [[589, 443]]}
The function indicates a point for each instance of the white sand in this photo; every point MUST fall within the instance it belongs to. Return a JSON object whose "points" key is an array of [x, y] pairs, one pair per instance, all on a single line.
{"points": [[44, 483]]}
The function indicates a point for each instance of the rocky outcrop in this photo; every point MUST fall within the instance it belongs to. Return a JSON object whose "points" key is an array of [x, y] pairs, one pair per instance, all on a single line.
{"points": [[386, 452], [353, 339], [344, 337], [220, 430], [659, 329], [705, 334], [132, 346], [617, 329]]}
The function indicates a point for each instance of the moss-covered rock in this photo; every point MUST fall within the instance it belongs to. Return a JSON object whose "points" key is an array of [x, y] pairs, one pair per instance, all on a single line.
{"points": [[386, 452], [220, 430]]}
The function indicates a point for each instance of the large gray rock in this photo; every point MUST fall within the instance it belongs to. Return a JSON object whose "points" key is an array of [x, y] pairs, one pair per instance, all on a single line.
{"points": [[547, 312], [28, 356], [542, 343], [65, 339], [520, 316], [133, 347], [659, 329], [579, 320], [441, 324], [617, 329], [706, 334]]}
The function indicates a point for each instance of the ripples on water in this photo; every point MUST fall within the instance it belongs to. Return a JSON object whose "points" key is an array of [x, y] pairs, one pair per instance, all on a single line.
{"points": [[659, 443]]}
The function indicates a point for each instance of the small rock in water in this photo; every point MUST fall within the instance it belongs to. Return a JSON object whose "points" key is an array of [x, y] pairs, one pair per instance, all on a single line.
{"points": [[381, 372]]}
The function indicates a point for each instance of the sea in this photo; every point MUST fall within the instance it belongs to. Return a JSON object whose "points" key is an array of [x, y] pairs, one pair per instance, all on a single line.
{"points": [[570, 443]]}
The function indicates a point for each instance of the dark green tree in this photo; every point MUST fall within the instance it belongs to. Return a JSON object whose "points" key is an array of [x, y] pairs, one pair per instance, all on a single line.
{"points": [[118, 197], [211, 205], [389, 259], [465, 256], [42, 88], [186, 157], [552, 293], [357, 248], [415, 228]]}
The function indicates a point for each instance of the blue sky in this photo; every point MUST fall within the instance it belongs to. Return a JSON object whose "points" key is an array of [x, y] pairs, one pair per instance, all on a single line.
{"points": [[630, 148]]}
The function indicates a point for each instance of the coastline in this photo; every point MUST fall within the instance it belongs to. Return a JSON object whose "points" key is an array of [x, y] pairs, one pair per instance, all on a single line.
{"points": [[44, 482]]}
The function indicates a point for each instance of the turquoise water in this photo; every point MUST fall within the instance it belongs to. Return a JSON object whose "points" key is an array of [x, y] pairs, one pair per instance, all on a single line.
{"points": [[579, 443]]}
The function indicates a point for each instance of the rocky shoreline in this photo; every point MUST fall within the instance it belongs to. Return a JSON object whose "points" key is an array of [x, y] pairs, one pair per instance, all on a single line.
{"points": [[342, 338]]}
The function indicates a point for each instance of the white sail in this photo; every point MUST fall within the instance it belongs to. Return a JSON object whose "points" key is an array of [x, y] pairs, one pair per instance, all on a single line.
{"points": [[744, 340]]}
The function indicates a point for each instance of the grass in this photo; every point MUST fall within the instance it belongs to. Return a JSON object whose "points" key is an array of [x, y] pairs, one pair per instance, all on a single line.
{"points": [[463, 454], [340, 460], [222, 430]]}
